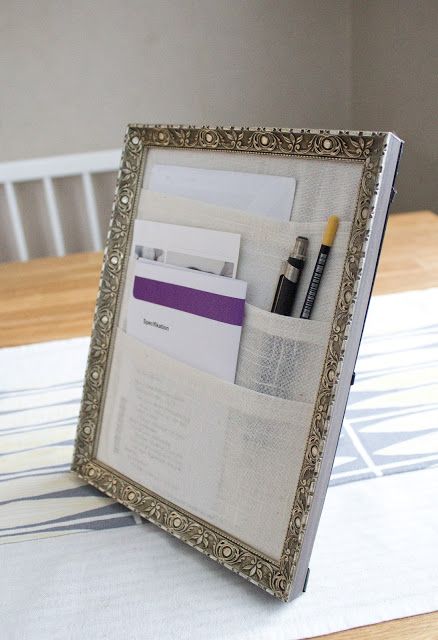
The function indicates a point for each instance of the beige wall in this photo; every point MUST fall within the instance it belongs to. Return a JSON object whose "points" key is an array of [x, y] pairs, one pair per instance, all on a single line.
{"points": [[395, 86]]}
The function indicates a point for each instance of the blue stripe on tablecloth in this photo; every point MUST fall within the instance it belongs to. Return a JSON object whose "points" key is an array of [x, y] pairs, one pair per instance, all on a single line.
{"points": [[37, 390], [42, 406]]}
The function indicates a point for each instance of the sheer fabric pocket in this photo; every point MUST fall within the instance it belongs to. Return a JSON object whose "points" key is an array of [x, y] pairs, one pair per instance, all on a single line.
{"points": [[281, 356]]}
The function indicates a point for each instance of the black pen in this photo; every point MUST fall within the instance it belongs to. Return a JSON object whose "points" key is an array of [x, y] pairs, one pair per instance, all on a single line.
{"points": [[327, 241], [288, 282]]}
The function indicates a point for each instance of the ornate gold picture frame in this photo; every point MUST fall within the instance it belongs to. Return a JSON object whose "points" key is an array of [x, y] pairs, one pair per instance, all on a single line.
{"points": [[368, 150]]}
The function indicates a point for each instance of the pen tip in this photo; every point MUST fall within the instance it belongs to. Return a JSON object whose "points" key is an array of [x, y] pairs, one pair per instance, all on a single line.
{"points": [[330, 231]]}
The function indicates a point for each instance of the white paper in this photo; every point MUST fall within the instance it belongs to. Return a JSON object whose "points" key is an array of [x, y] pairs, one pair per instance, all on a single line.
{"points": [[263, 195], [226, 454], [199, 341]]}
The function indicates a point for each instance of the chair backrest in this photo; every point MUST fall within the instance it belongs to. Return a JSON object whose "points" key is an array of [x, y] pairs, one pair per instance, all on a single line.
{"points": [[45, 170]]}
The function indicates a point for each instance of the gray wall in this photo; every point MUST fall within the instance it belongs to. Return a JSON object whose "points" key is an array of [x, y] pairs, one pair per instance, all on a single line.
{"points": [[77, 72], [395, 87], [74, 73]]}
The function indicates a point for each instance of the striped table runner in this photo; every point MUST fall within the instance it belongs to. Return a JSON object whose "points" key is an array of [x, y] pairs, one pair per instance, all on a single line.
{"points": [[390, 425]]}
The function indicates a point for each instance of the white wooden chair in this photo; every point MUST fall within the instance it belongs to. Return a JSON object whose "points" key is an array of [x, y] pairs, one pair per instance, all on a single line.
{"points": [[45, 170]]}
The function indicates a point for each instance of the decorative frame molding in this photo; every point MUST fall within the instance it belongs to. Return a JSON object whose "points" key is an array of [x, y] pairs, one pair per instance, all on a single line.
{"points": [[366, 148]]}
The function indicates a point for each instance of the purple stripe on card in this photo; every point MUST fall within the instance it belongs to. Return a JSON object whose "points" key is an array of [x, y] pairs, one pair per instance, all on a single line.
{"points": [[200, 303]]}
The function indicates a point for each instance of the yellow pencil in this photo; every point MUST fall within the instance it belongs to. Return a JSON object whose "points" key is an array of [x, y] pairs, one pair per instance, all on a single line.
{"points": [[327, 241]]}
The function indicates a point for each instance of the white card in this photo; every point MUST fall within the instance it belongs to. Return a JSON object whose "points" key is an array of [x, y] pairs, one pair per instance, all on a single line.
{"points": [[215, 252], [192, 316], [263, 195]]}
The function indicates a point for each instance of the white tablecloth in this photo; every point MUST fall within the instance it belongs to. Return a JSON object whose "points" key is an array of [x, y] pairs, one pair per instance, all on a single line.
{"points": [[374, 559], [73, 563]]}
